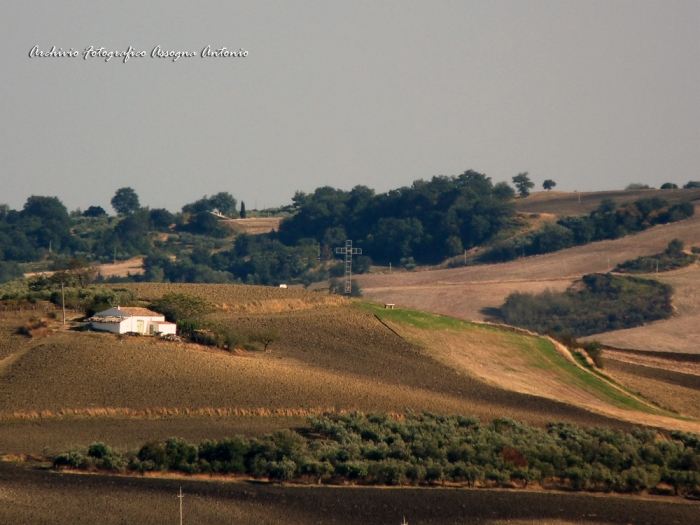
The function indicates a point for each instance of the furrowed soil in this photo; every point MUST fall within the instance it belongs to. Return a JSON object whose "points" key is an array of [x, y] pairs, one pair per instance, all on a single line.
{"points": [[330, 356], [671, 379], [54, 436], [31, 495]]}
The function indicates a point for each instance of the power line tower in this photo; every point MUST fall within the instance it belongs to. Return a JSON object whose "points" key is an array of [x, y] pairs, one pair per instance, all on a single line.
{"points": [[180, 496], [348, 251]]}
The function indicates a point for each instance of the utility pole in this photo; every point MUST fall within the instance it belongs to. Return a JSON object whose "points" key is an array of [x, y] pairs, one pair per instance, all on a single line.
{"points": [[348, 251], [180, 496], [115, 255], [465, 257], [63, 300], [389, 268]]}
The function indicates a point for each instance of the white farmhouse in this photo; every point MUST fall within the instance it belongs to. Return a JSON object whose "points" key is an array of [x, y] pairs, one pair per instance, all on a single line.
{"points": [[120, 320]]}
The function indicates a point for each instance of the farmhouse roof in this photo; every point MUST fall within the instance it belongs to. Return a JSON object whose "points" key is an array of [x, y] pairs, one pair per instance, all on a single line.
{"points": [[113, 312]]}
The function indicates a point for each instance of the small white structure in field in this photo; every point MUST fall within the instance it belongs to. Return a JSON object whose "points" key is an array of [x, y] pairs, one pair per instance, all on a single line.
{"points": [[283, 285], [120, 320]]}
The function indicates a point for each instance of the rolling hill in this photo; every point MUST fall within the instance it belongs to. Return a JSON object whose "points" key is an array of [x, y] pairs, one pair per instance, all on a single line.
{"points": [[566, 204], [333, 354], [473, 292]]}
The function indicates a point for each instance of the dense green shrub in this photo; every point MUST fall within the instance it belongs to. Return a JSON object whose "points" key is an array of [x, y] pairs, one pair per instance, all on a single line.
{"points": [[671, 259], [607, 222], [597, 303], [429, 449]]}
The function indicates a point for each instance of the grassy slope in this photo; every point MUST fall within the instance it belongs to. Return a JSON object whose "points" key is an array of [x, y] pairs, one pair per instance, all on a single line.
{"points": [[521, 362]]}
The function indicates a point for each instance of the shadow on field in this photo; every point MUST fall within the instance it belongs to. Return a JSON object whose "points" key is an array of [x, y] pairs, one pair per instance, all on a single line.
{"points": [[67, 498]]}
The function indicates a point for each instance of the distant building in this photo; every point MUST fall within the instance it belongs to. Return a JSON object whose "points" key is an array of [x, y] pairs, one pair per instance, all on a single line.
{"points": [[120, 320]]}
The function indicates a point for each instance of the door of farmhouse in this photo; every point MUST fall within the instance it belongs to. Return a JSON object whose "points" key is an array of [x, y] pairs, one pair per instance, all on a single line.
{"points": [[139, 326]]}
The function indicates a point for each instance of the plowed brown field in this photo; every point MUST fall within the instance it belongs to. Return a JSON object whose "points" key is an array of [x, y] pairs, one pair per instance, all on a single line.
{"points": [[30, 496], [336, 358]]}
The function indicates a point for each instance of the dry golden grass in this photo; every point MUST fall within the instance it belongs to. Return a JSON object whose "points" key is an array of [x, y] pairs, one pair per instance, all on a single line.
{"points": [[470, 301], [239, 297], [514, 361], [681, 333], [599, 256], [474, 293], [565, 204], [254, 226], [654, 361], [653, 384]]}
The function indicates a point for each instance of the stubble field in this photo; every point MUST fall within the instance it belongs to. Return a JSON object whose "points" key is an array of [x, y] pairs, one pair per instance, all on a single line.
{"points": [[565, 204]]}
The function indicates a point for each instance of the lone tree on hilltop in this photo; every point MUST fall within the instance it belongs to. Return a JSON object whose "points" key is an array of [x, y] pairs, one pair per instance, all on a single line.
{"points": [[669, 186], [125, 201], [548, 184], [523, 183], [266, 337]]}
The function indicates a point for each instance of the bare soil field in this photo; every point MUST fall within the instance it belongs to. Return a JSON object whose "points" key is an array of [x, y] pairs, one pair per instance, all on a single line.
{"points": [[680, 333], [565, 204], [53, 436], [123, 268], [30, 495], [327, 358], [254, 226]]}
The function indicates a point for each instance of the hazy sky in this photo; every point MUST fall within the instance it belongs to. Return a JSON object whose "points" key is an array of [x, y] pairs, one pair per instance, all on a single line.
{"points": [[592, 94]]}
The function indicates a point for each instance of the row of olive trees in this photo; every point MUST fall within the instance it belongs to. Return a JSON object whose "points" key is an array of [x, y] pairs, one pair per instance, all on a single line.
{"points": [[429, 449]]}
